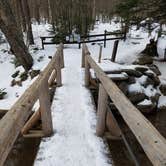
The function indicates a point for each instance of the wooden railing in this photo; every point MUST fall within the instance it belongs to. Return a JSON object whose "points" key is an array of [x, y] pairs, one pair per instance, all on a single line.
{"points": [[86, 38], [152, 142], [14, 120]]}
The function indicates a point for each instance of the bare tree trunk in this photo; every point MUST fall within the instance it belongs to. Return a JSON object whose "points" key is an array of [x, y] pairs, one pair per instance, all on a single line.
{"points": [[9, 27], [28, 21], [23, 21]]}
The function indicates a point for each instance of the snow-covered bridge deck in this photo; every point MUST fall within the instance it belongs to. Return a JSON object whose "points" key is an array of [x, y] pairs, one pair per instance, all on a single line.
{"points": [[74, 142]]}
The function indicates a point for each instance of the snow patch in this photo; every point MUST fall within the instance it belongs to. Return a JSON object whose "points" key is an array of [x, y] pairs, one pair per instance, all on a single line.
{"points": [[162, 101]]}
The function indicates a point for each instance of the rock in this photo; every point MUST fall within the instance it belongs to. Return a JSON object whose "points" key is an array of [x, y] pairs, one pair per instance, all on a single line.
{"points": [[132, 72], [151, 48], [146, 106], [36, 48], [156, 81], [34, 73], [154, 77], [24, 76], [113, 72], [145, 81], [141, 69], [15, 74], [136, 97], [163, 89], [144, 60], [40, 58], [150, 73], [123, 86], [2, 94], [155, 69], [14, 82], [135, 43], [155, 98], [118, 77], [149, 81], [131, 80]]}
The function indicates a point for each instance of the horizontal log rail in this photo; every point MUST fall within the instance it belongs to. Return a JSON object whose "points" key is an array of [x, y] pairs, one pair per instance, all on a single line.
{"points": [[14, 120], [152, 142], [89, 36], [122, 35]]}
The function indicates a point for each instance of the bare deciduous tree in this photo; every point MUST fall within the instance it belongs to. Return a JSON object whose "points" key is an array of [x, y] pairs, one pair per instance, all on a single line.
{"points": [[10, 28]]}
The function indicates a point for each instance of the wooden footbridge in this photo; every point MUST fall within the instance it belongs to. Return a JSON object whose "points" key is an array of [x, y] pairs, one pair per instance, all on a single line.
{"points": [[19, 120]]}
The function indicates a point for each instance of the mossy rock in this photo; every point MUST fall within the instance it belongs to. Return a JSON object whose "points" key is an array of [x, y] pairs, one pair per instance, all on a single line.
{"points": [[15, 74], [14, 82], [131, 80], [163, 89], [40, 58], [23, 76], [141, 69], [34, 73], [147, 108], [155, 69], [144, 60], [2, 93], [132, 72], [154, 77], [155, 98], [136, 97], [123, 86]]}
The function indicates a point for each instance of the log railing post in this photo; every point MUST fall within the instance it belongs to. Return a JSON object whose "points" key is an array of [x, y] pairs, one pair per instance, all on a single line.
{"points": [[45, 109], [114, 50], [165, 54], [58, 72], [62, 56], [100, 54], [83, 56], [101, 111], [42, 40], [87, 72], [112, 124], [105, 38]]}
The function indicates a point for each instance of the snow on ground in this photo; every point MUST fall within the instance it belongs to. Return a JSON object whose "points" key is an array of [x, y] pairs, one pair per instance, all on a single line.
{"points": [[7, 68], [162, 101], [74, 142], [127, 51], [145, 102]]}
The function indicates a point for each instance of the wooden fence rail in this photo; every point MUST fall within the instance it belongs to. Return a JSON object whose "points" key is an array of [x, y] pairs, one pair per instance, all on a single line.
{"points": [[86, 38], [14, 120], [152, 142]]}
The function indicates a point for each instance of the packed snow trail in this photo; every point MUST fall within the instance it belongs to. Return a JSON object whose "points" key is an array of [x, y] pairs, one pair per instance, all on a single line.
{"points": [[74, 142]]}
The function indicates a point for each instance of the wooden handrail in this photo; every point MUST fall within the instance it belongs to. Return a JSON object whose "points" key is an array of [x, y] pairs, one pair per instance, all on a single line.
{"points": [[13, 121], [153, 143]]}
